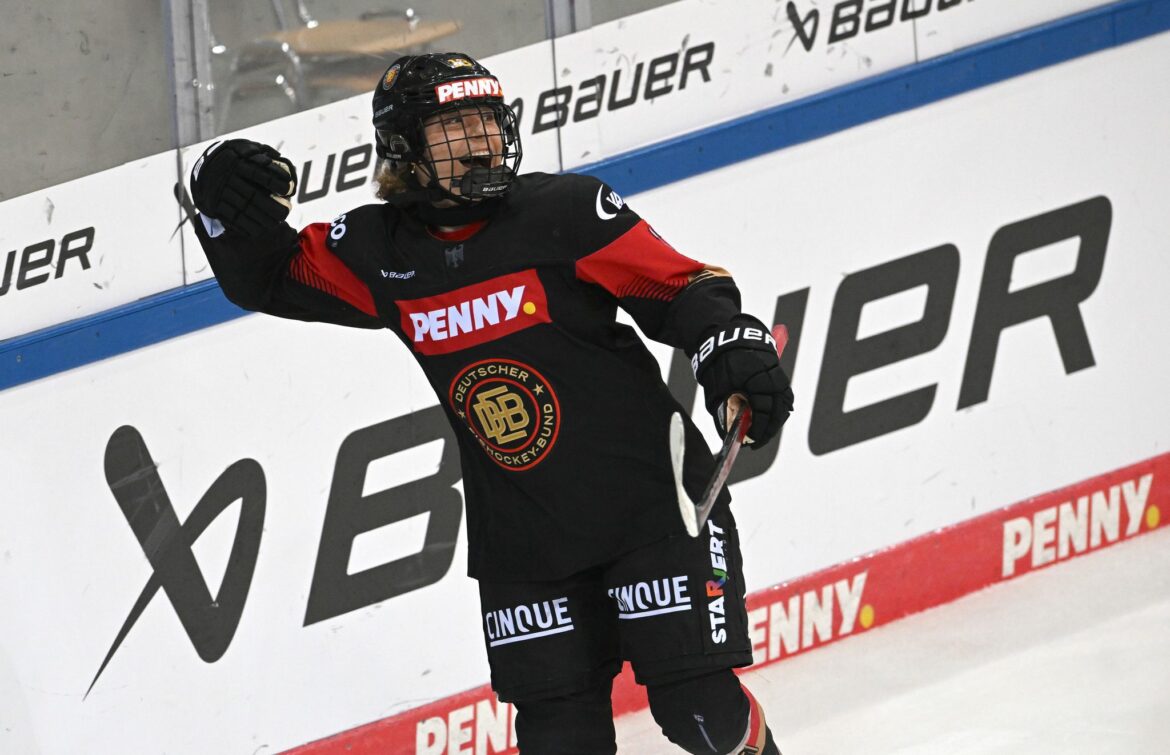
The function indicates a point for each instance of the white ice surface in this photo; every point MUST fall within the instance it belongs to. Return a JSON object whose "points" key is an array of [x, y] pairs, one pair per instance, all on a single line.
{"points": [[1072, 660]]}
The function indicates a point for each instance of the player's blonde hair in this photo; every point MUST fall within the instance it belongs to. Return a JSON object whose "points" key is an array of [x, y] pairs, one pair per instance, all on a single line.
{"points": [[391, 180]]}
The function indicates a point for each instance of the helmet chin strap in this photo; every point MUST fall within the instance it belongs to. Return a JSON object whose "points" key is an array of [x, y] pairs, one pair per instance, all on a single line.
{"points": [[486, 183]]}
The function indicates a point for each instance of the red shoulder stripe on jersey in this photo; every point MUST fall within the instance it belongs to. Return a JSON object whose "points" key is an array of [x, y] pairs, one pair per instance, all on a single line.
{"points": [[318, 267], [639, 264]]}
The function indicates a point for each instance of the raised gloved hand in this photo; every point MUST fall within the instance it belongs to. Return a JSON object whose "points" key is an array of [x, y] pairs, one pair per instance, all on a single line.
{"points": [[741, 358], [244, 185]]}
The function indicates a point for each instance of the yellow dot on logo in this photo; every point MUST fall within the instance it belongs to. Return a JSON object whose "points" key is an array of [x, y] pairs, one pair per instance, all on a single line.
{"points": [[1153, 516], [866, 616], [529, 308]]}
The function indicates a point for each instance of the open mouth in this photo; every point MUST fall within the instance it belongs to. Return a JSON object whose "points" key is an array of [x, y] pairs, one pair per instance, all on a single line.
{"points": [[476, 161]]}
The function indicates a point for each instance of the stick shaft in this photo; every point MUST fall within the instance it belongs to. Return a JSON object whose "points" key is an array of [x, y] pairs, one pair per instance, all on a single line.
{"points": [[732, 442]]}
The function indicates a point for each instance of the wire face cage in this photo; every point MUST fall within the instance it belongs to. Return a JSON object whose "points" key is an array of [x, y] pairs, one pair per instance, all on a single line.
{"points": [[468, 150]]}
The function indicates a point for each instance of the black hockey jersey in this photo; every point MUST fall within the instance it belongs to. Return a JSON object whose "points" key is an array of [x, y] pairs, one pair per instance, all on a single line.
{"points": [[560, 412]]}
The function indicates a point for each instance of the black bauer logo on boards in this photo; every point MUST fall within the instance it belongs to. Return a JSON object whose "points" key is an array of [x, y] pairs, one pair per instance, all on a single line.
{"points": [[210, 621], [31, 266], [511, 409], [849, 18], [624, 86]]}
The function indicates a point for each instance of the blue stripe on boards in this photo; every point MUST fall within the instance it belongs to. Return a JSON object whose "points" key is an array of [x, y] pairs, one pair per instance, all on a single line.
{"points": [[116, 331], [188, 309]]}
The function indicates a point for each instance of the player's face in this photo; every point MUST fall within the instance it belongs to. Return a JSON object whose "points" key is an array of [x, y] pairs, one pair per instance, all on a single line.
{"points": [[460, 140]]}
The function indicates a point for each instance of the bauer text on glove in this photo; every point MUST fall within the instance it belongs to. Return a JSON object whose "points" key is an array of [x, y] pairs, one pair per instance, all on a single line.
{"points": [[741, 358]]}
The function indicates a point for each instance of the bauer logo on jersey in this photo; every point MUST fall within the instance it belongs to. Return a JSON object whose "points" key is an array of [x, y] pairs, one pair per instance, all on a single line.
{"points": [[511, 409], [476, 314], [484, 86]]}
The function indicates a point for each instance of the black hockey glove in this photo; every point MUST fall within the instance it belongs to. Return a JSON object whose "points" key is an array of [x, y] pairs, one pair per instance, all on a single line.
{"points": [[244, 185], [741, 358]]}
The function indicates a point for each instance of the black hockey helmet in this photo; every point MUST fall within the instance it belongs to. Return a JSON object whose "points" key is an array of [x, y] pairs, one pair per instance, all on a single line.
{"points": [[416, 88]]}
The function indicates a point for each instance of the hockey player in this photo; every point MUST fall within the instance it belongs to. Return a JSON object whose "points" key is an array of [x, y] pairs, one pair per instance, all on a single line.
{"points": [[504, 288]]}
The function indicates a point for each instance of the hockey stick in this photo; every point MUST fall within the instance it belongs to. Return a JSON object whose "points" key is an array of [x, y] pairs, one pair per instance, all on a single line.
{"points": [[695, 513]]}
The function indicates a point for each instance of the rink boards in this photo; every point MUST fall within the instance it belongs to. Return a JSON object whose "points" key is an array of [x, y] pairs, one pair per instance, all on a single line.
{"points": [[79, 248], [974, 291]]}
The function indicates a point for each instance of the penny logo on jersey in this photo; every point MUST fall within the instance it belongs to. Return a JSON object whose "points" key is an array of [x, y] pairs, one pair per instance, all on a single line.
{"points": [[510, 408], [475, 314]]}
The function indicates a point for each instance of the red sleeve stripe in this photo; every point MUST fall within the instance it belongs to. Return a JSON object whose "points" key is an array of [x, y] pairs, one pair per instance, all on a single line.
{"points": [[319, 268], [638, 264], [641, 287]]}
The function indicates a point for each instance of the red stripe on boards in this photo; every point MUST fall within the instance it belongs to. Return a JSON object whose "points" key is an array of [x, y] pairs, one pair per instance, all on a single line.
{"points": [[836, 603]]}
